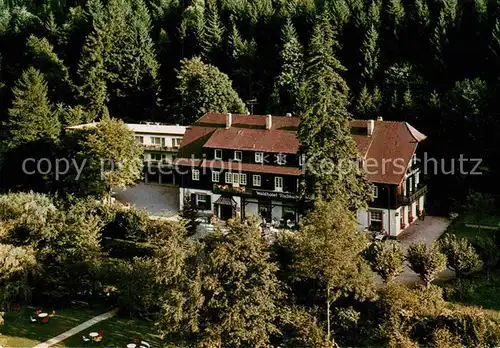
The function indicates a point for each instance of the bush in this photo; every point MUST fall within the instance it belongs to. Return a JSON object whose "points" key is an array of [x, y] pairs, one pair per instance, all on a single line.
{"points": [[129, 224]]}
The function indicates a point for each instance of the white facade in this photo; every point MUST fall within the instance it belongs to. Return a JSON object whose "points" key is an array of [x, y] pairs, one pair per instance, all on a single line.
{"points": [[392, 219], [251, 204]]}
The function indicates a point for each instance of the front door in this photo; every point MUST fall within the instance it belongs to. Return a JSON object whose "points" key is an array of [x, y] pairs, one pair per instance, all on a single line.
{"points": [[226, 212]]}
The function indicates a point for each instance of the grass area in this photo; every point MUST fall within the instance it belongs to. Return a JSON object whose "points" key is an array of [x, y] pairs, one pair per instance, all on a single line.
{"points": [[487, 220], [478, 290], [470, 232], [18, 331], [118, 332]]}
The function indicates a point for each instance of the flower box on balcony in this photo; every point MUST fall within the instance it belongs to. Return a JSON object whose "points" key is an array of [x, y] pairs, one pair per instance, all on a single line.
{"points": [[403, 226], [229, 188], [411, 219]]}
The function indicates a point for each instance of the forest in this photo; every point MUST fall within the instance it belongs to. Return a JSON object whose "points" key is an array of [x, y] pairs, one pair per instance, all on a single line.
{"points": [[433, 64]]}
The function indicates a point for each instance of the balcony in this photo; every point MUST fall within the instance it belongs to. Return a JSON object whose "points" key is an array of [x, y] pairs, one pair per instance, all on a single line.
{"points": [[413, 196], [160, 148], [250, 192]]}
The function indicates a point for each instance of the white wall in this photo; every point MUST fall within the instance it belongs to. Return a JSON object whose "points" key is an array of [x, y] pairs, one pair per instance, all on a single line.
{"points": [[421, 202], [252, 209], [277, 212], [414, 212], [168, 138], [362, 217]]}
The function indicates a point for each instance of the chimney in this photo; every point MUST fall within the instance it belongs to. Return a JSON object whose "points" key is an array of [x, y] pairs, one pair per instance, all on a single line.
{"points": [[269, 121], [380, 118], [370, 127], [229, 120]]}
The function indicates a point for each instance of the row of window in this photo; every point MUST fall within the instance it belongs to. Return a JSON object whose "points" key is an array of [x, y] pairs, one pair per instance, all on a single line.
{"points": [[161, 141], [258, 157], [239, 179]]}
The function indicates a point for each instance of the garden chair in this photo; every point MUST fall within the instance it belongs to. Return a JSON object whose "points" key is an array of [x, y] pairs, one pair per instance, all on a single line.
{"points": [[33, 320], [45, 320], [53, 314], [100, 332], [145, 344], [85, 339], [98, 339], [38, 311]]}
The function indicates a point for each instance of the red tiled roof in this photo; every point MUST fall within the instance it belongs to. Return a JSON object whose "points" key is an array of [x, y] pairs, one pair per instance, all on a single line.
{"points": [[254, 140], [387, 151], [238, 166], [390, 151]]}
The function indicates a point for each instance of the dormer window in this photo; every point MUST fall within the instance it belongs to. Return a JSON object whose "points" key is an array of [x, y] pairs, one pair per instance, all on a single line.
{"points": [[238, 155], [281, 159], [218, 154], [259, 157]]}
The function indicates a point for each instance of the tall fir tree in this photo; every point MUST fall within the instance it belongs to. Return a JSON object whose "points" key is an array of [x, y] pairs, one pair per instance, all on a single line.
{"points": [[396, 13], [373, 15], [119, 64], [92, 72], [31, 116], [244, 57], [324, 131], [287, 85], [212, 43], [494, 46], [42, 57], [370, 53], [341, 13]]}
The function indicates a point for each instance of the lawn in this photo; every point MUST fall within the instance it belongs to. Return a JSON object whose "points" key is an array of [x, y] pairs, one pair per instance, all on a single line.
{"points": [[118, 332], [477, 290], [487, 220], [470, 232], [18, 331]]}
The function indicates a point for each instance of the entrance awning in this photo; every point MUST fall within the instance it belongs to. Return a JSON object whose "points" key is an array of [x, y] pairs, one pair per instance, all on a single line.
{"points": [[226, 201]]}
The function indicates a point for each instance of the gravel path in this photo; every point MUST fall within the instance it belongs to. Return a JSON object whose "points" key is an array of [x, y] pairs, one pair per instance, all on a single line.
{"points": [[428, 231]]}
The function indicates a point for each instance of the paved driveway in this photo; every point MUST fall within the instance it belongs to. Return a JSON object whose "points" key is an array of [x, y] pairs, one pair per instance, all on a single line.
{"points": [[158, 200], [428, 231]]}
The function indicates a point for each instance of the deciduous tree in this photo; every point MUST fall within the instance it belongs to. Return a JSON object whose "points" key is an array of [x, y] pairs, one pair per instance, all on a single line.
{"points": [[426, 262], [203, 88], [386, 259], [330, 251], [111, 147], [229, 295], [460, 254]]}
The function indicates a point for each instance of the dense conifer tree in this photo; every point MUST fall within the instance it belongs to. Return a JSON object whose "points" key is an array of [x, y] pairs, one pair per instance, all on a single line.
{"points": [[287, 85], [31, 116], [324, 130]]}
